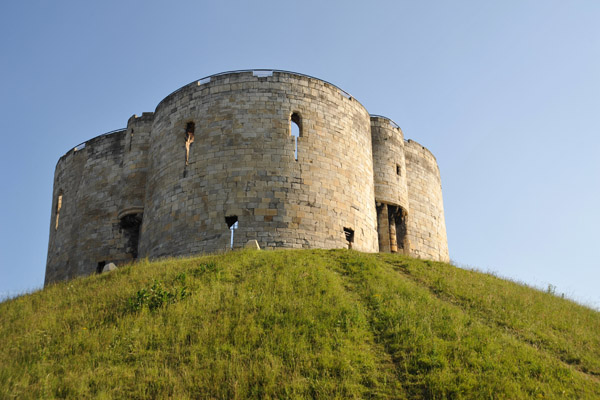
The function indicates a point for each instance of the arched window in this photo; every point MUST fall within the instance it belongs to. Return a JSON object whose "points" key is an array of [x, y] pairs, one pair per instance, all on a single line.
{"points": [[295, 131], [58, 207]]}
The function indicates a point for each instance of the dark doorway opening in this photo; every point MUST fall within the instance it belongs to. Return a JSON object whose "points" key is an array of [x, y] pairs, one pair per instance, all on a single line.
{"points": [[397, 221], [349, 233], [100, 267], [391, 229], [130, 226]]}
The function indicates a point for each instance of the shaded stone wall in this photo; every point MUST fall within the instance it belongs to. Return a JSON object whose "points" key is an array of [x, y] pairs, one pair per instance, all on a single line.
{"points": [[135, 163], [426, 224], [88, 230]]}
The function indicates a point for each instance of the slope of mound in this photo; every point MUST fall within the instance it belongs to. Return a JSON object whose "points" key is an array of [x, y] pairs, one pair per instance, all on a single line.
{"points": [[300, 324]]}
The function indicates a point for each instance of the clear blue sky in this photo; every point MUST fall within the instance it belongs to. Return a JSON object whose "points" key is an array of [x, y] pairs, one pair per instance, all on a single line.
{"points": [[506, 94]]}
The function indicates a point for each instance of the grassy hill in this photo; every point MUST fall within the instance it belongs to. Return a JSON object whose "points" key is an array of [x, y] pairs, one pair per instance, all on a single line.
{"points": [[297, 324]]}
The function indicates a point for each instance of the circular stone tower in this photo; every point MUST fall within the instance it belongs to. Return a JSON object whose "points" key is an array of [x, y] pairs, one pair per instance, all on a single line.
{"points": [[391, 192], [282, 158], [223, 151]]}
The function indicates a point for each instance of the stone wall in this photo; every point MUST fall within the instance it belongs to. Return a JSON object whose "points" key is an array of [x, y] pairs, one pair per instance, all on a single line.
{"points": [[242, 164], [88, 180], [354, 183], [135, 163], [388, 161], [426, 224]]}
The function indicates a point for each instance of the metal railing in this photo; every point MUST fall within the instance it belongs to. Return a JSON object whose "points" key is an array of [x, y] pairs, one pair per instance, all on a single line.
{"points": [[392, 122], [82, 145]]}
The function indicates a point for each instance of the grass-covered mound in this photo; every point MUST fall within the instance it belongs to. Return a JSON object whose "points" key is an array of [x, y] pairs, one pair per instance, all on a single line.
{"points": [[297, 324]]}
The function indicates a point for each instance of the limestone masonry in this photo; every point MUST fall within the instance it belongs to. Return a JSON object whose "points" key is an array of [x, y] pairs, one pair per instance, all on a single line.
{"points": [[278, 157]]}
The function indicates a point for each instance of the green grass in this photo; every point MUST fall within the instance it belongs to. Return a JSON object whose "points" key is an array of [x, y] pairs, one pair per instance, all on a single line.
{"points": [[297, 324]]}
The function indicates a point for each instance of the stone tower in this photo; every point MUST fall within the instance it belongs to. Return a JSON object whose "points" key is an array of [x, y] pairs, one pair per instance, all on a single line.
{"points": [[291, 160]]}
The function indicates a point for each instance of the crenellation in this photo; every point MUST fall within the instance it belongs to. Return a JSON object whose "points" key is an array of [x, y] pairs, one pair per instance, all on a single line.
{"points": [[150, 191]]}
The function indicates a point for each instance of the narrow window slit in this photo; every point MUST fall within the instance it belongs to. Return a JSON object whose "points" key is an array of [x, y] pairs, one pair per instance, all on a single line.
{"points": [[398, 170], [189, 139], [295, 131], [58, 207]]}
